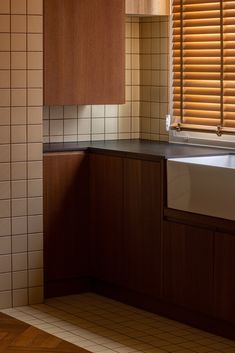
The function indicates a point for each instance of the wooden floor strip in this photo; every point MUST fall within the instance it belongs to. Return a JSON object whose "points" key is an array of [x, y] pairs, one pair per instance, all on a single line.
{"points": [[19, 337]]}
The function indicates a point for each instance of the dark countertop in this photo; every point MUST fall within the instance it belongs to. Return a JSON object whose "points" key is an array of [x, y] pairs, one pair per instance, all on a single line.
{"points": [[137, 148]]}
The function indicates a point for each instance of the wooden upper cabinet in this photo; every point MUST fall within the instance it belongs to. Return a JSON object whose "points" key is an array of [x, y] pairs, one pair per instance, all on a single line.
{"points": [[84, 52], [148, 7]]}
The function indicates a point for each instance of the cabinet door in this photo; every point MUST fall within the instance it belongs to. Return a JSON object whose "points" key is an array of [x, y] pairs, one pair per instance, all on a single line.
{"points": [[65, 219], [84, 52], [188, 266], [225, 276], [142, 226], [106, 207]]}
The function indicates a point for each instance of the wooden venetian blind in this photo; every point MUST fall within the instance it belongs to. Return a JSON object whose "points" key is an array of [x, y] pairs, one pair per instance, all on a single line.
{"points": [[204, 65]]}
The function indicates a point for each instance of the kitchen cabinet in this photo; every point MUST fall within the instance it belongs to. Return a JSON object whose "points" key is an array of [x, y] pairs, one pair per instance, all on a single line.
{"points": [[148, 7], [106, 215], [224, 276], [142, 226], [84, 52], [188, 267], [126, 222], [66, 229]]}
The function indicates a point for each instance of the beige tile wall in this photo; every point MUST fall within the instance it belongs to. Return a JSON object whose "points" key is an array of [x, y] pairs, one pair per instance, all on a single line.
{"points": [[21, 275], [101, 122], [154, 72]]}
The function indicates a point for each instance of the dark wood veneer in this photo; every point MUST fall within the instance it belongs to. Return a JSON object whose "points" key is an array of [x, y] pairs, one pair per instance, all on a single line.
{"points": [[66, 228]]}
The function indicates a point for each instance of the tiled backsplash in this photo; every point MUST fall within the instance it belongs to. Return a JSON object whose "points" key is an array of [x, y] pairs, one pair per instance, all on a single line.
{"points": [[143, 115], [21, 274], [101, 122], [154, 72]]}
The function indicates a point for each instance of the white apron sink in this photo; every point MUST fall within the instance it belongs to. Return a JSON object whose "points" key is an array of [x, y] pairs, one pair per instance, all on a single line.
{"points": [[204, 185]]}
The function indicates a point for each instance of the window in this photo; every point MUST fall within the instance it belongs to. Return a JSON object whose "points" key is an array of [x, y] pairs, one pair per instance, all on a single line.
{"points": [[204, 66]]}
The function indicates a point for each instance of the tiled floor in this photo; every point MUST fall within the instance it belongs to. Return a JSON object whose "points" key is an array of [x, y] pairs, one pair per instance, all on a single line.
{"points": [[103, 325]]}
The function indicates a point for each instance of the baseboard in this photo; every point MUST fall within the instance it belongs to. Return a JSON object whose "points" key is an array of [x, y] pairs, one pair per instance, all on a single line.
{"points": [[66, 286]]}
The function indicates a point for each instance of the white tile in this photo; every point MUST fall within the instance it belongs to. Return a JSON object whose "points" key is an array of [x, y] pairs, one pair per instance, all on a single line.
{"points": [[70, 127], [4, 23], [34, 151], [84, 126], [18, 152], [111, 125], [4, 6], [35, 224], [5, 153], [111, 111], [34, 133], [18, 134], [34, 115], [19, 207], [4, 176], [5, 281], [19, 262], [35, 7], [5, 208], [18, 42], [5, 245], [19, 189], [35, 242], [18, 116], [5, 227], [5, 115], [71, 112], [35, 188], [56, 112], [35, 60], [5, 263], [98, 126], [18, 171], [35, 206], [18, 6], [5, 134], [18, 23], [35, 42], [20, 279], [97, 111], [19, 225], [4, 42], [35, 24], [84, 111], [20, 297], [35, 259], [5, 300], [19, 243], [35, 170], [56, 127]]}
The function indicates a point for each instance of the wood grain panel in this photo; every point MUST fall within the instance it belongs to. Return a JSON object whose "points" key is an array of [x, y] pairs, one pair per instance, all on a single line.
{"points": [[148, 7], [106, 210], [84, 52], [19, 337], [142, 226], [188, 266], [66, 228], [224, 277]]}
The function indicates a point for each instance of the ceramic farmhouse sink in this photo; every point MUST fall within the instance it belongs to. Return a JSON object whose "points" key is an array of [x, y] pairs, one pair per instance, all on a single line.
{"points": [[204, 185]]}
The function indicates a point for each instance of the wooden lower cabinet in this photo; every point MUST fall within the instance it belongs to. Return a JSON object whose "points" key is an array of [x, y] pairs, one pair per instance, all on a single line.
{"points": [[188, 267], [225, 276], [106, 211], [125, 222], [66, 231], [142, 226]]}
